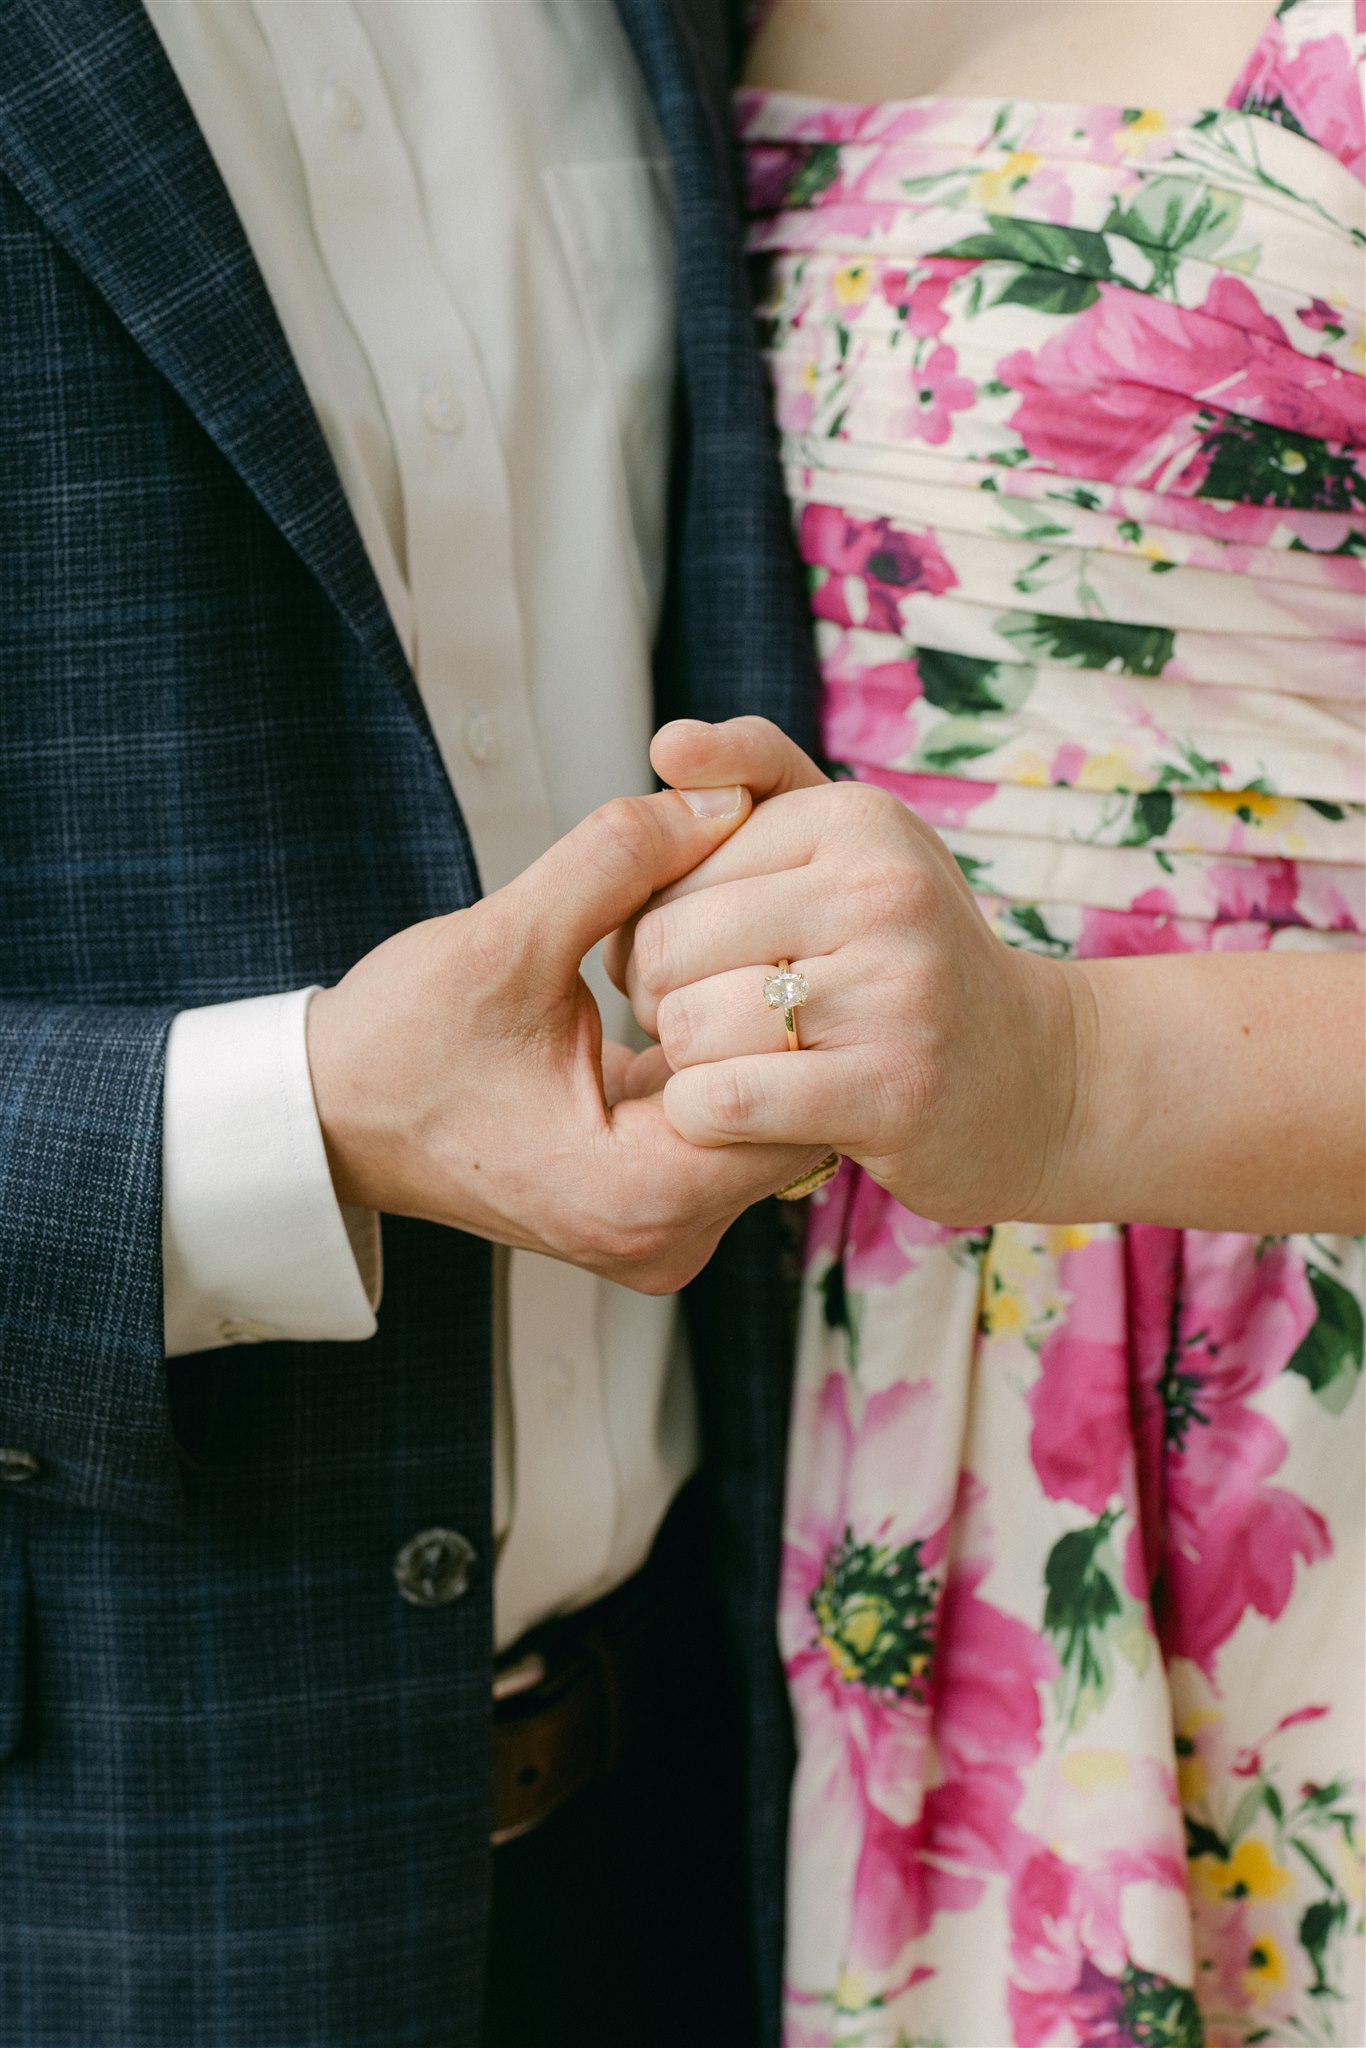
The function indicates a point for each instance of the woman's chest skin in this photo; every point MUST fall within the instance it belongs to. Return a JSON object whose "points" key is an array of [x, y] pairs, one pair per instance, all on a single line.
{"points": [[1159, 53]]}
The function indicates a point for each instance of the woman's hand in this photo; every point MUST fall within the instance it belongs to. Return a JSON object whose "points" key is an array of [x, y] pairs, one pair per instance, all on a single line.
{"points": [[1207, 1091], [940, 1060]]}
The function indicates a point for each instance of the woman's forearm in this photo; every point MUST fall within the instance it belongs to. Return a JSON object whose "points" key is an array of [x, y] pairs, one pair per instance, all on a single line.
{"points": [[1217, 1092]]}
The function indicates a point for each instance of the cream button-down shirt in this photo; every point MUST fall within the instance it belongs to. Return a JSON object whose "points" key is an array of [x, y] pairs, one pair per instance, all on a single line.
{"points": [[462, 211]]}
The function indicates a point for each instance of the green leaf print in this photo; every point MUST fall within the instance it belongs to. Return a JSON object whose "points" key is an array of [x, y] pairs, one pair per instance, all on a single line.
{"points": [[1318, 1926], [1158, 2013], [1256, 464], [1038, 245], [843, 1310], [968, 686], [1088, 1616], [819, 168], [1202, 1840], [1031, 932], [974, 870], [1171, 217], [1330, 1354], [1047, 291], [948, 746], [1152, 817], [1089, 643]]}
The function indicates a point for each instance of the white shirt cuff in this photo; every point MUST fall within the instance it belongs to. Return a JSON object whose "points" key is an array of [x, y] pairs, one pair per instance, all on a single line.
{"points": [[255, 1245]]}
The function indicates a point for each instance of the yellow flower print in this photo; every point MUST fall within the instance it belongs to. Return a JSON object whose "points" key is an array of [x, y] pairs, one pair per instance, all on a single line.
{"points": [[1251, 1872], [1068, 1237], [1114, 769], [1192, 1775], [1030, 768], [1253, 806], [996, 189], [1002, 1313], [851, 1991], [1012, 1261], [1132, 136], [850, 283], [1265, 1972], [1091, 1770]]}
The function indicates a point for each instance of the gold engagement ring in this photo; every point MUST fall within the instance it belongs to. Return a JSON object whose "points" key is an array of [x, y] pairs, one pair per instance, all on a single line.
{"points": [[787, 991]]}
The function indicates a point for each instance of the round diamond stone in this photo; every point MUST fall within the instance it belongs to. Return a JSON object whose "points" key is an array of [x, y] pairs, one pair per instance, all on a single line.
{"points": [[786, 991]]}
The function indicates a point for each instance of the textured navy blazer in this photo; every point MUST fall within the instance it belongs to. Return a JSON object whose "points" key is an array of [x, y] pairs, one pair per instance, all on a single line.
{"points": [[244, 1787]]}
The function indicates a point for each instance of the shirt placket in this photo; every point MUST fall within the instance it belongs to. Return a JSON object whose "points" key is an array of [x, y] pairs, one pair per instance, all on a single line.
{"points": [[467, 646]]}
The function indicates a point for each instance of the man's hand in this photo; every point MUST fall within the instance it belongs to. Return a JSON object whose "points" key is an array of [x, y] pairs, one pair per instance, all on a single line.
{"points": [[460, 1073]]}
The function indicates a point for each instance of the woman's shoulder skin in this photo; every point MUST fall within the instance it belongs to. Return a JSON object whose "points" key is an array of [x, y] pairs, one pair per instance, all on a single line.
{"points": [[1166, 53]]}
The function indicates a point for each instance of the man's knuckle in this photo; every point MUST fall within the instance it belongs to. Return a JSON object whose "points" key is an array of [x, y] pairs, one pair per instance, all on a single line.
{"points": [[628, 827], [651, 949]]}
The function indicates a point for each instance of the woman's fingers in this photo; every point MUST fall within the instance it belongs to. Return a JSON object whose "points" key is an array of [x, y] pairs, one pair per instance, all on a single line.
{"points": [[767, 917], [804, 1098], [690, 754], [726, 1016]]}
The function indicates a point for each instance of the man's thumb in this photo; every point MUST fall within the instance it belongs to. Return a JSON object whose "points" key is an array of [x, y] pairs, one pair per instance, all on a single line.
{"points": [[607, 869]]}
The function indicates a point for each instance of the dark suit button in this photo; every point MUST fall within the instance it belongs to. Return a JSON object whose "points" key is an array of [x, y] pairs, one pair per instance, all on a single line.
{"points": [[434, 1568], [16, 1466]]}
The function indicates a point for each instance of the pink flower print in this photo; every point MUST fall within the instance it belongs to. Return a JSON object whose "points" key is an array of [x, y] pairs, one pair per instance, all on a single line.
{"points": [[1323, 318], [939, 799], [876, 1238], [1081, 1443], [937, 393], [1265, 890], [1087, 1936], [1253, 1968], [866, 718], [1232, 1540], [1321, 89], [1115, 395], [1150, 925], [921, 303], [916, 1702], [1228, 1540], [884, 560]]}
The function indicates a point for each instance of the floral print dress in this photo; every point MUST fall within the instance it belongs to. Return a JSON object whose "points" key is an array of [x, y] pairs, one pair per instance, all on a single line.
{"points": [[1071, 401]]}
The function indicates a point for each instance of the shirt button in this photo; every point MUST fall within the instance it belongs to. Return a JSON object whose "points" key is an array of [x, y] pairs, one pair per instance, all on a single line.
{"points": [[442, 410], [16, 1466], [434, 1568], [342, 108], [236, 1330], [482, 741]]}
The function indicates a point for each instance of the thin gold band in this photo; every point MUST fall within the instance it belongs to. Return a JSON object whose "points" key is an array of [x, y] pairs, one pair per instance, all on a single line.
{"points": [[794, 1044]]}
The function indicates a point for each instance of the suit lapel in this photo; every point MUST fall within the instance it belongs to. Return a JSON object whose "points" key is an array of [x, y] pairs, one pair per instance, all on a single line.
{"points": [[97, 136]]}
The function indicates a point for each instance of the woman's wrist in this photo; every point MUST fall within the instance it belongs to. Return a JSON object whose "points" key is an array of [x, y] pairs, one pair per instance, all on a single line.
{"points": [[1070, 1069]]}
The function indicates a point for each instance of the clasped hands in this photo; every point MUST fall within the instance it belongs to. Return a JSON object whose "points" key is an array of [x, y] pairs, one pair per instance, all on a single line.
{"points": [[460, 1070]]}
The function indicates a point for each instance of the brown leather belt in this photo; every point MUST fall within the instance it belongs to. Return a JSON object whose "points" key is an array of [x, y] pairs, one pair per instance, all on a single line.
{"points": [[558, 1712]]}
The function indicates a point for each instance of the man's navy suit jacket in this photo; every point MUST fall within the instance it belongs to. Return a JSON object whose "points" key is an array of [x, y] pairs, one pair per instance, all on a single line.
{"points": [[244, 1787]]}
